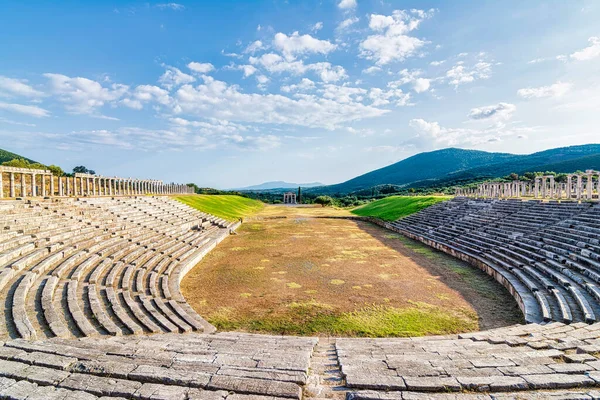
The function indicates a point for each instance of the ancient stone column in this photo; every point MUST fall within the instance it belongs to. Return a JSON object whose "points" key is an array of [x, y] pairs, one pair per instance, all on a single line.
{"points": [[12, 184], [579, 187], [33, 186], [1, 185], [44, 185], [589, 185], [23, 186], [52, 185]]}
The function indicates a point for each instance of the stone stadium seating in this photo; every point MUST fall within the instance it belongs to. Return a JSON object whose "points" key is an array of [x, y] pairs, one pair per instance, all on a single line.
{"points": [[93, 309], [545, 253], [100, 266]]}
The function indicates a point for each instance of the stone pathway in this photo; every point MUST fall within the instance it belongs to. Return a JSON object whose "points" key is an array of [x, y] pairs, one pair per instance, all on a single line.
{"points": [[325, 379]]}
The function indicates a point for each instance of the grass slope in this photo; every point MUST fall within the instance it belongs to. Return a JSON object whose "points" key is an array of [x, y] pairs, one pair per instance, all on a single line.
{"points": [[8, 156], [224, 206], [394, 207]]}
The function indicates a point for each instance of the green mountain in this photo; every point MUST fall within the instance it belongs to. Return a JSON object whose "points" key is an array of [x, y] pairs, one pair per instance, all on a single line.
{"points": [[448, 165], [7, 156]]}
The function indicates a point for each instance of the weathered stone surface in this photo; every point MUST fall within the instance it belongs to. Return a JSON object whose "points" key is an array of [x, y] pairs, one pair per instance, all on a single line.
{"points": [[101, 386], [557, 381], [168, 376], [103, 368], [432, 384], [255, 386], [492, 383], [376, 382]]}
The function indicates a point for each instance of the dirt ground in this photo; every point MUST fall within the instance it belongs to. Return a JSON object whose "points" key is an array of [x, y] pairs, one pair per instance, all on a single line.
{"points": [[288, 267]]}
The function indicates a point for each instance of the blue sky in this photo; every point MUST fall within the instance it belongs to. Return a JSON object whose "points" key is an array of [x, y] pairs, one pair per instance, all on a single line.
{"points": [[229, 93]]}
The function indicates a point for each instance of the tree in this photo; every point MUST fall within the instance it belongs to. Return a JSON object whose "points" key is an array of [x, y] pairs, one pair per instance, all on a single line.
{"points": [[22, 163], [299, 195], [80, 169], [324, 201], [514, 177], [56, 170], [17, 163], [193, 185]]}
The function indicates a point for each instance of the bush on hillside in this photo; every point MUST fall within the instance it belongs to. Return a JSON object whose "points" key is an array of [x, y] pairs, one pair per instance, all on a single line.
{"points": [[22, 163], [324, 201]]}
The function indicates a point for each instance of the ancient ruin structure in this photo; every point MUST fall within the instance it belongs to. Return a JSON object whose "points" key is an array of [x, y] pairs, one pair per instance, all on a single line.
{"points": [[578, 187], [24, 182], [289, 198], [93, 308]]}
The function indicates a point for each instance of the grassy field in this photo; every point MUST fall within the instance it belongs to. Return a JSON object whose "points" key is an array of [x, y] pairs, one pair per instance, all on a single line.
{"points": [[224, 206], [394, 207], [292, 271]]}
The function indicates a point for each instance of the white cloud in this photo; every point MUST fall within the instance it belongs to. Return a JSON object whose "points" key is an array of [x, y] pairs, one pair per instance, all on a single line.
{"points": [[328, 72], [32, 111], [305, 84], [248, 70], [348, 22], [392, 42], [261, 79], [421, 85], [217, 99], [371, 70], [413, 78], [556, 90], [171, 6], [82, 95], [173, 77], [365, 132], [317, 27], [147, 93], [274, 63], [296, 44], [17, 87], [347, 4], [255, 46], [501, 111], [430, 135], [437, 63], [459, 74], [132, 103], [201, 68], [211, 126], [252, 143], [590, 52], [382, 97]]}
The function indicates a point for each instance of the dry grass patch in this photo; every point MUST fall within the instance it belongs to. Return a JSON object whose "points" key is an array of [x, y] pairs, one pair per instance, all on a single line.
{"points": [[280, 276]]}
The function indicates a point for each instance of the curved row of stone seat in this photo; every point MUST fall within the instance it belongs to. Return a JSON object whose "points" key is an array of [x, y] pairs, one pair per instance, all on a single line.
{"points": [[100, 265], [511, 360], [516, 242], [164, 366]]}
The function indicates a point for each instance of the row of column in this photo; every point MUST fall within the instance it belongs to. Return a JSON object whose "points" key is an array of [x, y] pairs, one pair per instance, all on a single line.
{"points": [[578, 186], [49, 185]]}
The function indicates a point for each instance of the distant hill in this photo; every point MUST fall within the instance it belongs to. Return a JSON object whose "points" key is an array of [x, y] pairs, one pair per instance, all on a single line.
{"points": [[447, 165], [7, 156], [279, 185]]}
